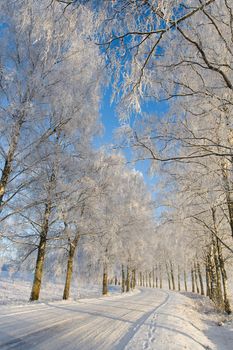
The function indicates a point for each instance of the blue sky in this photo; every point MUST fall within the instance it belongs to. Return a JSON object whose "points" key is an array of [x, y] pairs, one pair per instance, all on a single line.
{"points": [[111, 122]]}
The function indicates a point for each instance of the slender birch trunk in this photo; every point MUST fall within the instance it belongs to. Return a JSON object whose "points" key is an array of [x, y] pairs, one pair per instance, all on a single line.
{"points": [[133, 279], [212, 274], [172, 276], [193, 283], [178, 277], [156, 277], [140, 279], [200, 278], [185, 281], [128, 279], [122, 279], [160, 278], [35, 292], [227, 307], [228, 194], [207, 272], [69, 270], [215, 279], [168, 277], [105, 279], [195, 278], [7, 167], [150, 279], [219, 296]]}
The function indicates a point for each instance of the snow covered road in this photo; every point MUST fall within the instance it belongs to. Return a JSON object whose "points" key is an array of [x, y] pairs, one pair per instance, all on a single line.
{"points": [[150, 319]]}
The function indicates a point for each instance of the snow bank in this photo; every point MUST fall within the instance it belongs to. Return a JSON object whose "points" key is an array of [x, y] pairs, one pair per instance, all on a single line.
{"points": [[184, 321], [217, 326], [17, 291]]}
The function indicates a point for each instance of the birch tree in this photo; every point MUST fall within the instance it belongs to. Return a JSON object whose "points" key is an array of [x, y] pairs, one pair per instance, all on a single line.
{"points": [[44, 117], [38, 49]]}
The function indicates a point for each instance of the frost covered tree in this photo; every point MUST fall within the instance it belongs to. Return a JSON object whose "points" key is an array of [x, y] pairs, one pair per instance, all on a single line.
{"points": [[196, 82], [144, 34], [197, 225], [120, 222], [78, 212], [38, 49], [49, 113]]}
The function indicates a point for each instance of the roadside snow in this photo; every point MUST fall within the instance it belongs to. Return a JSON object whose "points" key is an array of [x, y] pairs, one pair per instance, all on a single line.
{"points": [[16, 291], [173, 325], [218, 327], [184, 321]]}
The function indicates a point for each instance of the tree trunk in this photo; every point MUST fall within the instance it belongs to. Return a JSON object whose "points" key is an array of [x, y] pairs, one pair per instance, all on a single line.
{"points": [[185, 281], [122, 279], [140, 279], [178, 277], [200, 278], [193, 283], [168, 277], [218, 288], [35, 292], [207, 271], [212, 274], [156, 277], [150, 279], [219, 296], [195, 278], [160, 278], [172, 276], [228, 194], [227, 307], [7, 167], [105, 279], [128, 279], [133, 279], [69, 270], [215, 279]]}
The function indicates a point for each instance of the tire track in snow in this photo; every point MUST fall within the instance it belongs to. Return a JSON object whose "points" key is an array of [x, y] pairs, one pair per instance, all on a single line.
{"points": [[152, 328], [53, 329], [122, 344], [58, 329], [22, 342], [24, 312], [20, 309], [102, 325]]}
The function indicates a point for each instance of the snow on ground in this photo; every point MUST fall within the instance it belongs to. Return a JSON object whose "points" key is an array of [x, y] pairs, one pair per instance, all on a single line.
{"points": [[18, 291], [148, 319], [184, 321], [218, 326]]}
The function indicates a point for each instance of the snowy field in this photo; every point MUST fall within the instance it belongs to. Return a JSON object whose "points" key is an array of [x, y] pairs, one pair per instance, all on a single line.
{"points": [[145, 319], [18, 291]]}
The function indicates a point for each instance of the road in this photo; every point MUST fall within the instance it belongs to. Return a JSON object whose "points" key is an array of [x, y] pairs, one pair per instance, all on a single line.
{"points": [[107, 323]]}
